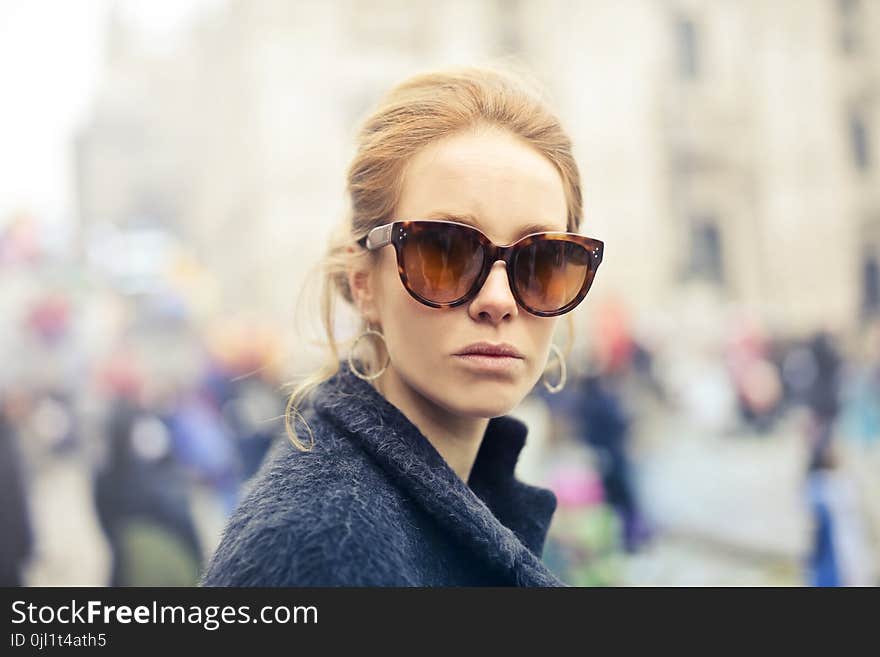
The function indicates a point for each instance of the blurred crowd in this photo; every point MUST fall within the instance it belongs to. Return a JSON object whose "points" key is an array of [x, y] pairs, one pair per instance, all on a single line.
{"points": [[146, 446], [749, 386], [152, 407]]}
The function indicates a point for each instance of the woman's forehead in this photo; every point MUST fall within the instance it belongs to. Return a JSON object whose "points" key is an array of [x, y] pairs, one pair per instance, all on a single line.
{"points": [[493, 181]]}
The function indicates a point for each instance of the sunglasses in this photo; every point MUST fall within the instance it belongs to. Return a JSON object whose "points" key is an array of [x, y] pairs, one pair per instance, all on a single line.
{"points": [[444, 264]]}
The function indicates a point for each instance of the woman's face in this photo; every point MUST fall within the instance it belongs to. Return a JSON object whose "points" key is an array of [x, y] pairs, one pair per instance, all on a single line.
{"points": [[504, 186]]}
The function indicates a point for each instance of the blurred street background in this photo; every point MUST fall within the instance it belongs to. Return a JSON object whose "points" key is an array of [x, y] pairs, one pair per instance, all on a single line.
{"points": [[170, 172]]}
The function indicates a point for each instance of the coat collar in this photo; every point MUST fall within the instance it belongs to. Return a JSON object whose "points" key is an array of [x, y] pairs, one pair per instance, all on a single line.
{"points": [[503, 520]]}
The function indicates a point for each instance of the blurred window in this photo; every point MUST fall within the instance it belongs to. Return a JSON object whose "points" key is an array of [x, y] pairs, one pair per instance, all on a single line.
{"points": [[871, 284], [849, 21], [705, 259], [860, 141], [508, 24], [686, 37]]}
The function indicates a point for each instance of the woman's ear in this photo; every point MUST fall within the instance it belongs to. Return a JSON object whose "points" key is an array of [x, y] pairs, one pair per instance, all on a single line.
{"points": [[363, 293]]}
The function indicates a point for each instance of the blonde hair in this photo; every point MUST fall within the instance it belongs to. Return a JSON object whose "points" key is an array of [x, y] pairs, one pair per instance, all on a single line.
{"points": [[416, 112]]}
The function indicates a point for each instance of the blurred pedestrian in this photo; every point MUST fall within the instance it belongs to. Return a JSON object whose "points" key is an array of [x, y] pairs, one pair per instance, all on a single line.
{"points": [[605, 426], [205, 446], [142, 503], [17, 539], [823, 396]]}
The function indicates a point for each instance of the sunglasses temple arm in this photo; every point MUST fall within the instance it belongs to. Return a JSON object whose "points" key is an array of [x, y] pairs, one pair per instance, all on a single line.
{"points": [[379, 236]]}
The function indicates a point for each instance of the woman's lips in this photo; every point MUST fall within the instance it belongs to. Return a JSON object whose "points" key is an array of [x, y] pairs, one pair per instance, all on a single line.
{"points": [[490, 364]]}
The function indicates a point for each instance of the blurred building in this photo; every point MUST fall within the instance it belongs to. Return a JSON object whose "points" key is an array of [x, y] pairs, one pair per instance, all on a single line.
{"points": [[728, 147]]}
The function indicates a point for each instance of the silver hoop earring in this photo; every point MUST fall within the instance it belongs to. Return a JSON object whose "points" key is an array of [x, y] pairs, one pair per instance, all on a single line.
{"points": [[354, 370], [562, 372]]}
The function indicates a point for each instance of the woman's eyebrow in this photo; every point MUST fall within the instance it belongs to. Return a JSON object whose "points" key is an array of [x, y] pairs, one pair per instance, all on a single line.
{"points": [[470, 220]]}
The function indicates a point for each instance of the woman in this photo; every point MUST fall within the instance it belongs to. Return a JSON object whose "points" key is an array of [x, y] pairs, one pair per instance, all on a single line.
{"points": [[408, 477]]}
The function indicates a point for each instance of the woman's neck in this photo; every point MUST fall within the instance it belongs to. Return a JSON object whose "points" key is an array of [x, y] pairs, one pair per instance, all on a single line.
{"points": [[456, 437]]}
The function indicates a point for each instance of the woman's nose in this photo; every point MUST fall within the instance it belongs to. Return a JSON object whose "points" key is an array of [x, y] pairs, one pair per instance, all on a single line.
{"points": [[495, 299]]}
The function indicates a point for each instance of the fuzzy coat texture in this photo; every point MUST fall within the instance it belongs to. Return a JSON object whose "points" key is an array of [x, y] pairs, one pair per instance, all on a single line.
{"points": [[375, 504]]}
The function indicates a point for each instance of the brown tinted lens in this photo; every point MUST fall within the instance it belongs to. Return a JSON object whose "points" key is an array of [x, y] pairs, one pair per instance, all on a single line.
{"points": [[548, 274], [441, 261]]}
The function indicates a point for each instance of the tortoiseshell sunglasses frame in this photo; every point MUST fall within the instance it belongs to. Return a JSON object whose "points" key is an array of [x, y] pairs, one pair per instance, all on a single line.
{"points": [[396, 232]]}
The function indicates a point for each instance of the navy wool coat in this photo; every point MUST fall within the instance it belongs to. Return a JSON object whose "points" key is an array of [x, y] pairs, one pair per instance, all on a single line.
{"points": [[375, 504]]}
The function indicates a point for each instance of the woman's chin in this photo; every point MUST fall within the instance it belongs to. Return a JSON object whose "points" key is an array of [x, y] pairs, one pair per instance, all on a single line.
{"points": [[480, 404]]}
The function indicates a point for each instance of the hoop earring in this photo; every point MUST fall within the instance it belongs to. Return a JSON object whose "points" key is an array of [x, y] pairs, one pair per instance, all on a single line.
{"points": [[354, 370], [562, 372]]}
